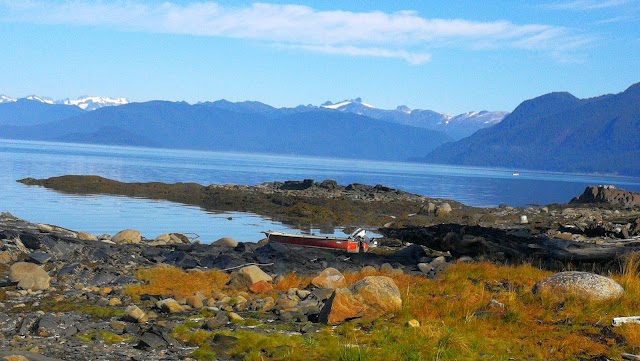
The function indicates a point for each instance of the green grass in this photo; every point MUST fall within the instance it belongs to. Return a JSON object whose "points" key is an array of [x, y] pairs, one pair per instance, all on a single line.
{"points": [[532, 327]]}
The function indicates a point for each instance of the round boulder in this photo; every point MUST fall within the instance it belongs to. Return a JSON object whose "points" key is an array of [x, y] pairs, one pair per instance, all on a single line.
{"points": [[225, 242], [29, 276], [581, 284], [127, 236]]}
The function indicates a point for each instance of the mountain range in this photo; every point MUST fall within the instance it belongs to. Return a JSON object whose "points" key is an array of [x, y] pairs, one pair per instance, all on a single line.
{"points": [[220, 126], [84, 102], [560, 132], [457, 127], [555, 131]]}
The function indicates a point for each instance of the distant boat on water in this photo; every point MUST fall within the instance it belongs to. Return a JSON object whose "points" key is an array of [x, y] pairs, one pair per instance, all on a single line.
{"points": [[515, 174]]}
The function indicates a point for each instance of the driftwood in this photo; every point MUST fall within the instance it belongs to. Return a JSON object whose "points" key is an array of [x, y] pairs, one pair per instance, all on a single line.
{"points": [[618, 321], [501, 245]]}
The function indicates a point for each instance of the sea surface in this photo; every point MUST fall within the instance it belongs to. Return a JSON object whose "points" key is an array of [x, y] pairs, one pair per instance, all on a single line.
{"points": [[99, 214]]}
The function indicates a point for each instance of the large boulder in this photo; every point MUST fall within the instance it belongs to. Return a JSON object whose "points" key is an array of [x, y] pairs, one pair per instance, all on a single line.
{"points": [[247, 276], [581, 284], [329, 278], [369, 298], [127, 236], [380, 294], [342, 305], [29, 276]]}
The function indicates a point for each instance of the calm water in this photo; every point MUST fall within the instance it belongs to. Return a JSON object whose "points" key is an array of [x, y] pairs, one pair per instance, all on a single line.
{"points": [[108, 214]]}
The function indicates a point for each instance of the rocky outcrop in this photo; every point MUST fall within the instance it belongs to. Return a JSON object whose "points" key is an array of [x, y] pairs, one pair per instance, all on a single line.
{"points": [[580, 284], [608, 195]]}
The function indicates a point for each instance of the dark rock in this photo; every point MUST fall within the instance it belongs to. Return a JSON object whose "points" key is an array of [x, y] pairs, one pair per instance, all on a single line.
{"points": [[47, 325], [102, 278], [151, 340], [132, 328], [27, 325], [39, 257], [30, 241], [69, 270], [216, 322], [329, 184], [175, 257], [412, 252], [156, 338], [297, 185]]}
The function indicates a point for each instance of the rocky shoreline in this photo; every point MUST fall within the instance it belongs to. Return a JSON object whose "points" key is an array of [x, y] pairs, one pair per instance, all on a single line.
{"points": [[67, 294], [89, 275]]}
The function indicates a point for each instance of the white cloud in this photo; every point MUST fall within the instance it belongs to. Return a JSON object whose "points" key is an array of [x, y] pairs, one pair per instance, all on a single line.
{"points": [[403, 35], [583, 5], [411, 57]]}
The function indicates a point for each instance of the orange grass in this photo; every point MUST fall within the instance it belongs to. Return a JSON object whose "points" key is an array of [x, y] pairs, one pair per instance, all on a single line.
{"points": [[456, 321], [174, 282], [292, 280], [528, 326]]}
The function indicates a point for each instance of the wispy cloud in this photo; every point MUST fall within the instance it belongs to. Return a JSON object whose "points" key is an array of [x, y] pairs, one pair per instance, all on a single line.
{"points": [[402, 35], [583, 5], [617, 19]]}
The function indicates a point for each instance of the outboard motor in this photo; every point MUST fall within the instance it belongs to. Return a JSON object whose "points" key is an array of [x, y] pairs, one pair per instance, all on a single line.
{"points": [[360, 235]]}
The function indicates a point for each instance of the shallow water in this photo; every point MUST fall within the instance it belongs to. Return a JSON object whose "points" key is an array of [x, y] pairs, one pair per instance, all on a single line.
{"points": [[100, 214]]}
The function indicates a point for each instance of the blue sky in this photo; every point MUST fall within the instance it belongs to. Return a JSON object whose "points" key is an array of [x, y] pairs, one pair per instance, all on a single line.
{"points": [[448, 56]]}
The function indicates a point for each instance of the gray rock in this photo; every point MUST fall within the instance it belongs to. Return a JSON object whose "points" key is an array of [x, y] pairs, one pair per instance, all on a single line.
{"points": [[214, 323], [581, 284], [425, 267], [39, 257]]}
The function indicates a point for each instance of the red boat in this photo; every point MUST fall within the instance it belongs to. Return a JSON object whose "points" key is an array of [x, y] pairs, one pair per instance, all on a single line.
{"points": [[356, 242]]}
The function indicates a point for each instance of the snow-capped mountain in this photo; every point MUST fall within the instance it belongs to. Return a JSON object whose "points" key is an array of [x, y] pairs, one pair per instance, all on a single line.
{"points": [[84, 102], [458, 126], [39, 99], [6, 99], [482, 117], [93, 103]]}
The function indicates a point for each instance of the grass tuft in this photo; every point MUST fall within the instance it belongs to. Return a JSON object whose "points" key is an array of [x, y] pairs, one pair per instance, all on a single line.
{"points": [[174, 282]]}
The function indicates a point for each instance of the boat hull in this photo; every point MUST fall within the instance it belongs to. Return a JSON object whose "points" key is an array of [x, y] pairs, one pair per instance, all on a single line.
{"points": [[342, 244]]}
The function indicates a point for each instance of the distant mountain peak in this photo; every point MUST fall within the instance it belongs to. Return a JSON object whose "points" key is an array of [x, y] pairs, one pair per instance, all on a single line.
{"points": [[348, 102], [40, 99], [404, 109], [93, 102], [6, 99]]}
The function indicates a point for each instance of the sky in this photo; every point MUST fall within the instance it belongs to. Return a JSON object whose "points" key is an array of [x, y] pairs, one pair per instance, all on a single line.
{"points": [[449, 56]]}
